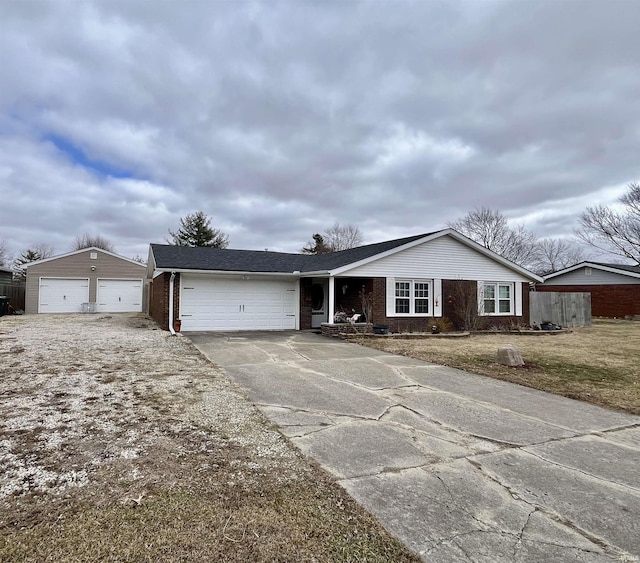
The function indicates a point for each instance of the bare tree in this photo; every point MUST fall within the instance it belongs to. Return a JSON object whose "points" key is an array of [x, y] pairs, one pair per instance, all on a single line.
{"points": [[554, 254], [87, 241], [4, 253], [614, 232], [338, 237], [343, 237], [38, 252], [196, 230], [489, 227]]}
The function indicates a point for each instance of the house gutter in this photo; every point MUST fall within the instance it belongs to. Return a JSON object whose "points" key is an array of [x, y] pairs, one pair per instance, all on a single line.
{"points": [[171, 283]]}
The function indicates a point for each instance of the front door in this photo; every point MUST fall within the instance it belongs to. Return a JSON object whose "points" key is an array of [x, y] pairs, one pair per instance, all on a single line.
{"points": [[319, 300]]}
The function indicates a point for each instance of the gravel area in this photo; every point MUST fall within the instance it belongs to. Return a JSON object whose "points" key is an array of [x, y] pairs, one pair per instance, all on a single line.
{"points": [[79, 392], [84, 394]]}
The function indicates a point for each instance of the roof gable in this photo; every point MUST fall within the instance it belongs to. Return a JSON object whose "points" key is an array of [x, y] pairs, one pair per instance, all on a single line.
{"points": [[621, 269], [89, 249]]}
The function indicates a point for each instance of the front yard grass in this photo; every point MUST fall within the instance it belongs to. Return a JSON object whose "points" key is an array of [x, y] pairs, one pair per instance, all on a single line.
{"points": [[597, 364]]}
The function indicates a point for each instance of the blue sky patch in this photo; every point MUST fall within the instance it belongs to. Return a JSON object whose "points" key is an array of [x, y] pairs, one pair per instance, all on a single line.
{"points": [[78, 157]]}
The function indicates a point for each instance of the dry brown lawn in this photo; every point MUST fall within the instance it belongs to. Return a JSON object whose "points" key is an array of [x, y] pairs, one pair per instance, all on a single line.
{"points": [[599, 364], [119, 442]]}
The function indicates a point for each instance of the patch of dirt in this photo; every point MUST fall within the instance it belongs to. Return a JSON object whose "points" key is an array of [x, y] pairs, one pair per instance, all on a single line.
{"points": [[120, 441]]}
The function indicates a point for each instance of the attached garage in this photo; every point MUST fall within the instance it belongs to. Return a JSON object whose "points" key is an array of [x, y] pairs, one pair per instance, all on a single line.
{"points": [[63, 295], [62, 284], [237, 304]]}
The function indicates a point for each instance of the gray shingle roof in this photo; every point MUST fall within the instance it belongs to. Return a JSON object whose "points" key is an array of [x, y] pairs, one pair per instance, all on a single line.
{"points": [[169, 257], [624, 267]]}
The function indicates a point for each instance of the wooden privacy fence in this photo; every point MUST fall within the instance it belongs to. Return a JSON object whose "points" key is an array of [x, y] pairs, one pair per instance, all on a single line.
{"points": [[561, 308], [15, 292]]}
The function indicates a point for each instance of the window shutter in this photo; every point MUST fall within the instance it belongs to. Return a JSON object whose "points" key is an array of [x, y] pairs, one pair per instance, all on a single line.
{"points": [[391, 297], [518, 296], [437, 297], [480, 298]]}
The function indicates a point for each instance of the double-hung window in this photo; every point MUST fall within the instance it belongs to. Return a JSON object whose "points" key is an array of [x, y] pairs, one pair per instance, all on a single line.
{"points": [[412, 297], [498, 298]]}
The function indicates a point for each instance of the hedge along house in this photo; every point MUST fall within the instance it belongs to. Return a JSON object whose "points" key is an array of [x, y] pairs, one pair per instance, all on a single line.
{"points": [[614, 288], [409, 282], [62, 284]]}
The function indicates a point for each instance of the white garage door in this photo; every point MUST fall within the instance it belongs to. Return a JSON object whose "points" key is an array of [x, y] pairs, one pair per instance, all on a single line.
{"points": [[207, 304], [59, 295], [119, 296]]}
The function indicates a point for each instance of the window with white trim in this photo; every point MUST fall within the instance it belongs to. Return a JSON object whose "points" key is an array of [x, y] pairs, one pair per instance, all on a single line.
{"points": [[498, 298], [413, 297]]}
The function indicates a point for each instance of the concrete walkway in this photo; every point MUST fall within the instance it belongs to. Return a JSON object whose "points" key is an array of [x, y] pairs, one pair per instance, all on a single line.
{"points": [[459, 467]]}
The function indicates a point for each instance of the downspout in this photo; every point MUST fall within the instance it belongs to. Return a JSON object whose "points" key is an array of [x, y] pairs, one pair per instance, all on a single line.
{"points": [[173, 277], [332, 299]]}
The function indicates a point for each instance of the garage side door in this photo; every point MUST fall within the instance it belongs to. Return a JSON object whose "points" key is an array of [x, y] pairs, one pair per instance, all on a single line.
{"points": [[59, 295], [210, 304], [119, 296]]}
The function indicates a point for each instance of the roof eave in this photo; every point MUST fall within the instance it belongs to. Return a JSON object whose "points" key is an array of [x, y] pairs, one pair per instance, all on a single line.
{"points": [[160, 270], [595, 266]]}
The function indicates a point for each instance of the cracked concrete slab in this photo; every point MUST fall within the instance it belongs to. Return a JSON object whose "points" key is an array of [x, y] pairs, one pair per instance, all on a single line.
{"points": [[460, 467], [601, 509], [364, 372], [346, 450], [595, 456], [453, 513], [481, 419], [293, 422], [558, 410], [290, 386], [443, 442]]}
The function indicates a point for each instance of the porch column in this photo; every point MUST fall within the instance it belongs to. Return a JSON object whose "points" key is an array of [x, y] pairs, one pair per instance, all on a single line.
{"points": [[332, 298]]}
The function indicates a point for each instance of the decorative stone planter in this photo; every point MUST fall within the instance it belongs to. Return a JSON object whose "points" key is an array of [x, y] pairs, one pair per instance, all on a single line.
{"points": [[340, 329]]}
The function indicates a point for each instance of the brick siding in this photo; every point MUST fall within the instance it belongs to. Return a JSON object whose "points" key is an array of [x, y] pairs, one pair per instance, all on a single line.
{"points": [[159, 299], [305, 303], [606, 300]]}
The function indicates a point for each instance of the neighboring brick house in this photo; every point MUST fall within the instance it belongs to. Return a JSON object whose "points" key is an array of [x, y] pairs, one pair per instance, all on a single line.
{"points": [[614, 288], [409, 281]]}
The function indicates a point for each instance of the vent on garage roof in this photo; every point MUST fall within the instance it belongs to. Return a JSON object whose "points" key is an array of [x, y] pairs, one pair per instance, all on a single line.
{"points": [[93, 256], [587, 271]]}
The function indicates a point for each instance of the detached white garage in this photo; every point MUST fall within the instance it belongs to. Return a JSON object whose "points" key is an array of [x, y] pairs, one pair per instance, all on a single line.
{"points": [[237, 304], [108, 282]]}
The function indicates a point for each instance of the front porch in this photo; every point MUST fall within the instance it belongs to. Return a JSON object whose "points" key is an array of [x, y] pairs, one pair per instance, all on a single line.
{"points": [[331, 299]]}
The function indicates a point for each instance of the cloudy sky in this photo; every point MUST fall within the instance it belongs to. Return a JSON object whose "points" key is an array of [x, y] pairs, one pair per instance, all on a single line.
{"points": [[279, 118]]}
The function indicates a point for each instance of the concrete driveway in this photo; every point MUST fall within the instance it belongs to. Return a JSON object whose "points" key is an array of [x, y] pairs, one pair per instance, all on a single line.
{"points": [[459, 467]]}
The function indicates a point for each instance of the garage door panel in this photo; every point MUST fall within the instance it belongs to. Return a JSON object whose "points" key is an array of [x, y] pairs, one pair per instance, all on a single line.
{"points": [[210, 304], [62, 295], [119, 296]]}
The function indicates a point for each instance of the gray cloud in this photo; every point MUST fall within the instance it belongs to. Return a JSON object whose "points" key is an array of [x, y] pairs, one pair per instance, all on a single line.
{"points": [[278, 119]]}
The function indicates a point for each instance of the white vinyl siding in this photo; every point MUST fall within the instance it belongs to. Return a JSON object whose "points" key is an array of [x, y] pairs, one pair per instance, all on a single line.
{"points": [[62, 295], [441, 258], [237, 304]]}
